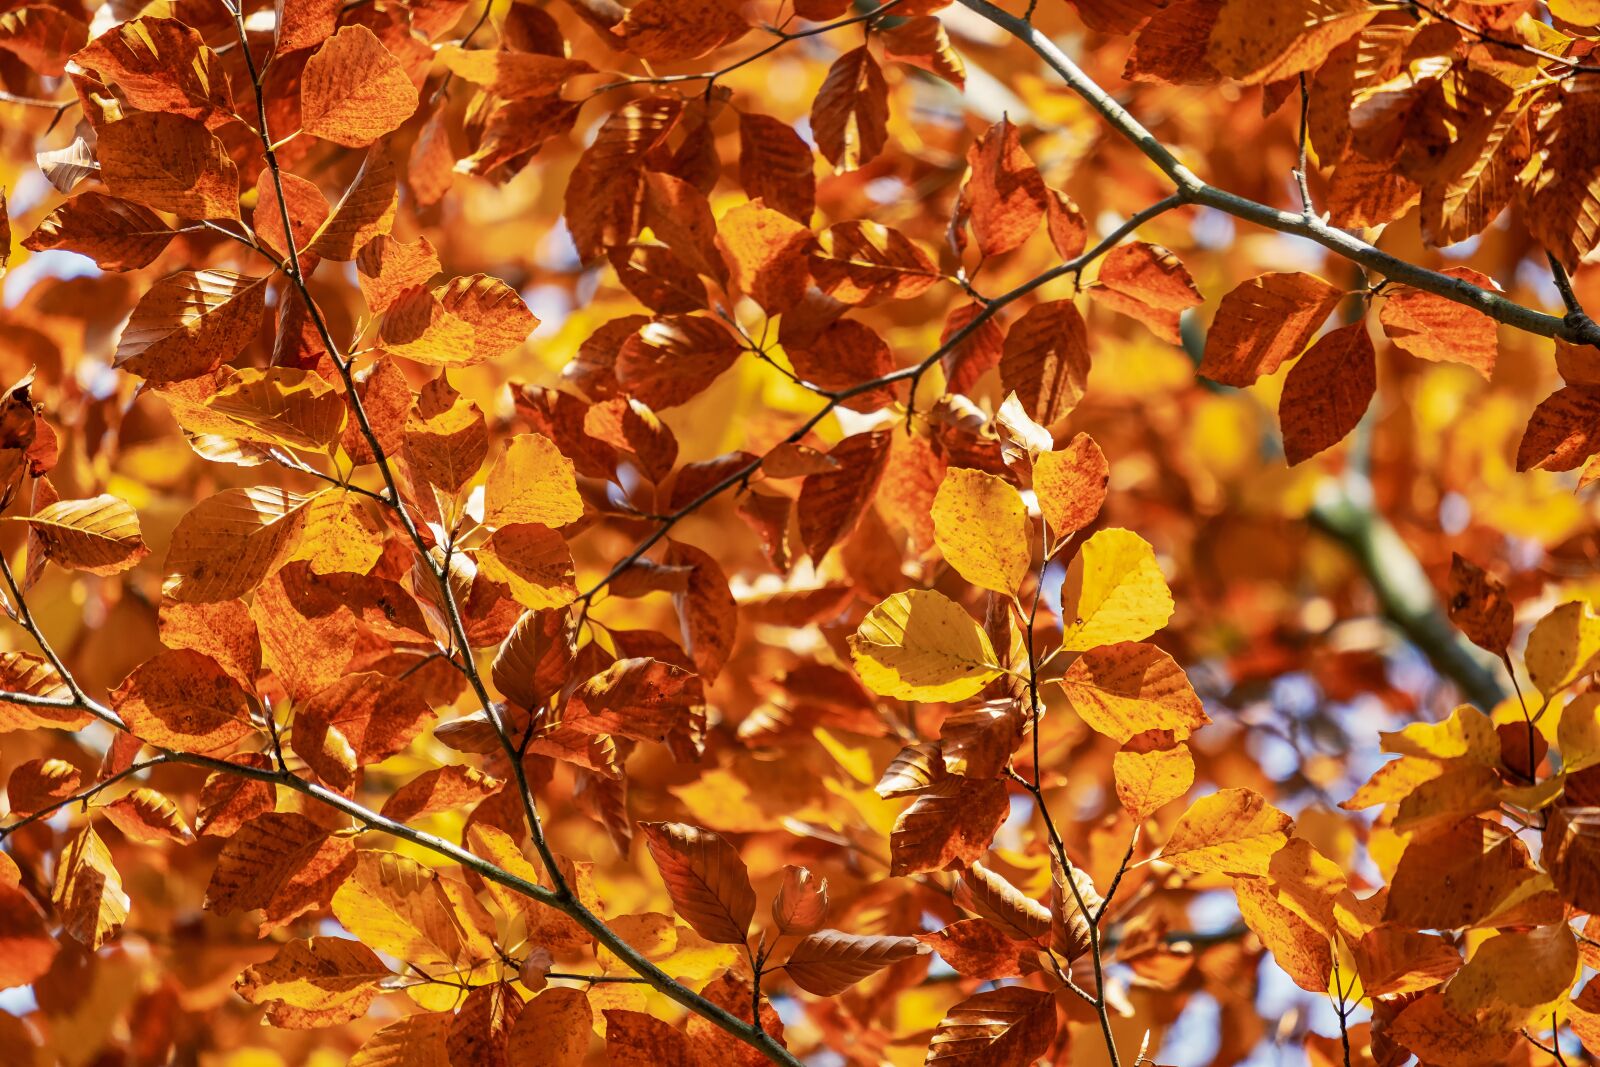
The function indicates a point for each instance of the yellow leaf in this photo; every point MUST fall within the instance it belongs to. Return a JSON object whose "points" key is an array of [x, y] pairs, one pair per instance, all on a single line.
{"points": [[1562, 647], [1578, 734], [532, 482], [981, 526], [399, 907], [1232, 831], [920, 645], [231, 542], [1467, 734], [318, 981], [1125, 689], [1516, 978], [88, 891], [339, 535], [1114, 591], [1149, 778]]}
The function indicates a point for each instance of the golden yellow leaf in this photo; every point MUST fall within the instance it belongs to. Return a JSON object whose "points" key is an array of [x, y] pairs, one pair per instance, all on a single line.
{"points": [[280, 406], [920, 645], [338, 534], [1232, 831], [1563, 647], [88, 891], [1148, 777], [1114, 591], [1578, 732], [396, 905], [1515, 979], [981, 526], [1467, 734], [531, 482]]}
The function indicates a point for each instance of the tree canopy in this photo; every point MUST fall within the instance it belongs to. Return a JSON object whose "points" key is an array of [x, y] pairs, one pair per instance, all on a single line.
{"points": [[545, 534]]}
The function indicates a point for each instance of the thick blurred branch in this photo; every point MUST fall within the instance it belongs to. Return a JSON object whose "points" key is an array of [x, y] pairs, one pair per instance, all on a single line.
{"points": [[1403, 589]]}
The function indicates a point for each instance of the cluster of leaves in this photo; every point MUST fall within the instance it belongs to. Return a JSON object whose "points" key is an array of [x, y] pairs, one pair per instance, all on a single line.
{"points": [[786, 545]]}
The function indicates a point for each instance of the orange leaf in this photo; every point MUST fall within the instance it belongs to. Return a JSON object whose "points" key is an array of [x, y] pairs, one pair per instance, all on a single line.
{"points": [[1435, 328], [1005, 194], [169, 163], [1327, 392], [708, 882], [1263, 322], [353, 90]]}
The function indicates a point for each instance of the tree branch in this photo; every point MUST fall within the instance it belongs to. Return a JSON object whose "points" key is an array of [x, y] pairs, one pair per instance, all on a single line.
{"points": [[1195, 190]]}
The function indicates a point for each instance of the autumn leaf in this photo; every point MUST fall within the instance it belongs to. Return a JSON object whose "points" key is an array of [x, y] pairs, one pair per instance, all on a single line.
{"points": [[1232, 831], [1327, 392], [707, 880], [1011, 1025], [801, 904], [189, 323], [169, 163], [353, 90], [320, 981], [828, 962], [1127, 689], [1113, 591], [1263, 322], [919, 645], [88, 893], [117, 234], [981, 525], [100, 536]]}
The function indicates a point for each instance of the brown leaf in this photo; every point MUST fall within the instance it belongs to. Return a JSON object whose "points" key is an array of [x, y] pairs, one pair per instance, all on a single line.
{"points": [[149, 818], [950, 824], [801, 904], [832, 502], [986, 893], [1046, 360], [1327, 392], [674, 358], [1007, 1027], [828, 962], [864, 263], [775, 166], [365, 211], [634, 1039], [1263, 322], [190, 323], [1479, 605], [117, 234], [708, 882], [850, 114]]}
